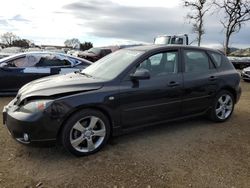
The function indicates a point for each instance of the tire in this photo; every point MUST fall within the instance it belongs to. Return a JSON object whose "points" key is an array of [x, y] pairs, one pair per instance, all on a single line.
{"points": [[85, 132], [222, 107]]}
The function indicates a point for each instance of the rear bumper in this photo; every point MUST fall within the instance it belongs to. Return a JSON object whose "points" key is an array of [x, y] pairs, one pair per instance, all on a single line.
{"points": [[238, 94]]}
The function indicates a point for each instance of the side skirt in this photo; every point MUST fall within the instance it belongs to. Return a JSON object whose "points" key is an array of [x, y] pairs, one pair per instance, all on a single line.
{"points": [[120, 131]]}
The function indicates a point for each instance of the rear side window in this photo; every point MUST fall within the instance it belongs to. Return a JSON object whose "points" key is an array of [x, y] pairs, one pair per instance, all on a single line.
{"points": [[217, 58], [50, 60], [196, 61]]}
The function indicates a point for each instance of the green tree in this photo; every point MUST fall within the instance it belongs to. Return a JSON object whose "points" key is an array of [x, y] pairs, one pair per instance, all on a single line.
{"points": [[72, 43], [237, 12], [86, 45], [8, 38], [196, 15], [24, 43]]}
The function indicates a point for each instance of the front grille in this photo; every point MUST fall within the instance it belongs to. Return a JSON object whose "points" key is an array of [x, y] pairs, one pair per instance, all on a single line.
{"points": [[17, 100]]}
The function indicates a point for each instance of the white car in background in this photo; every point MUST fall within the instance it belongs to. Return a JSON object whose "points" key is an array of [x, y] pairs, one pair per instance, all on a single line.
{"points": [[10, 51], [245, 74]]}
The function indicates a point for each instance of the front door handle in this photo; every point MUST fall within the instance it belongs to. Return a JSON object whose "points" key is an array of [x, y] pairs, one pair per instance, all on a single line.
{"points": [[173, 84], [212, 78]]}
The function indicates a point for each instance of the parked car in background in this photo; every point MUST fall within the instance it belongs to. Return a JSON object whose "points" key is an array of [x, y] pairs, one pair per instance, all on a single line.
{"points": [[240, 62], [181, 39], [130, 88], [10, 51], [53, 49], [33, 49], [74, 53], [245, 74], [94, 54], [17, 70]]}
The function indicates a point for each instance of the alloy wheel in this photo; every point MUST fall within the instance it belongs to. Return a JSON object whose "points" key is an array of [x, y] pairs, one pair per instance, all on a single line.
{"points": [[224, 107], [87, 134]]}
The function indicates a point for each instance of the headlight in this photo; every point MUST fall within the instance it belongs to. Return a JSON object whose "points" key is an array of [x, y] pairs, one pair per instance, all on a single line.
{"points": [[35, 106]]}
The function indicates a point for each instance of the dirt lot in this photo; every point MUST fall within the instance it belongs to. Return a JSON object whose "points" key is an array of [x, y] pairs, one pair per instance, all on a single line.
{"points": [[192, 153]]}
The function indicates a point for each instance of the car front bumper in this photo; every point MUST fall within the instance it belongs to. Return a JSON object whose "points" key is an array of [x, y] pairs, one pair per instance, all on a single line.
{"points": [[245, 76], [33, 129]]}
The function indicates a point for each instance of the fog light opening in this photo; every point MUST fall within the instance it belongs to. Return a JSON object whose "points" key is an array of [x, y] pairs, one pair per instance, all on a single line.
{"points": [[26, 137]]}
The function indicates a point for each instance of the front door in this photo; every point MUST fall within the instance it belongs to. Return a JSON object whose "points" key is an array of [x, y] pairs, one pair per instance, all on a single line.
{"points": [[156, 99]]}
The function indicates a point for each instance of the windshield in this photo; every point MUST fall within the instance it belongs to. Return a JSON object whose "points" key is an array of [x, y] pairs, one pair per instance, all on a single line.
{"points": [[162, 40], [94, 50], [112, 65]]}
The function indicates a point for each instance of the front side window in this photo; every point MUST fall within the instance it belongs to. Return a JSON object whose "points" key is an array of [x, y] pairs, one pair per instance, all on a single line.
{"points": [[161, 64], [196, 61], [20, 62], [28, 60]]}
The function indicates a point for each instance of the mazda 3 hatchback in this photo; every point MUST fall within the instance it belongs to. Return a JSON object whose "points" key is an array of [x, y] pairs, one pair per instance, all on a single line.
{"points": [[128, 89]]}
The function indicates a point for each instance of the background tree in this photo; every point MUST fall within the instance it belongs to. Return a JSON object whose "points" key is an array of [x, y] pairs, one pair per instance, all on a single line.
{"points": [[237, 12], [73, 43], [8, 38], [86, 45], [23, 43], [196, 16]]}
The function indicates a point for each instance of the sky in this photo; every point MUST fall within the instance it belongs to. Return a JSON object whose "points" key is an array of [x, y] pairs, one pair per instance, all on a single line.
{"points": [[107, 22]]}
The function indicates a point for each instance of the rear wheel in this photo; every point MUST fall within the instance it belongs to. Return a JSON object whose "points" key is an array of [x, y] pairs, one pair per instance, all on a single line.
{"points": [[223, 106], [86, 132]]}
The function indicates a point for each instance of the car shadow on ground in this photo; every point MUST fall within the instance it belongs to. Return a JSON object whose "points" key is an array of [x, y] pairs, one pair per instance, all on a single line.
{"points": [[115, 143]]}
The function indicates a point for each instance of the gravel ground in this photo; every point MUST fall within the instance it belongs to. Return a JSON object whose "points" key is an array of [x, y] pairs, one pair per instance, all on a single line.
{"points": [[190, 153]]}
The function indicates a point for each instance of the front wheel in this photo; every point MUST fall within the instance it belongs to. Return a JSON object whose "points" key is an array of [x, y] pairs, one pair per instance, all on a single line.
{"points": [[86, 132], [223, 107]]}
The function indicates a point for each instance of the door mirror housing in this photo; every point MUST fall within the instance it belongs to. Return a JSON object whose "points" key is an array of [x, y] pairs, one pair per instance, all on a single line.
{"points": [[140, 74], [3, 65]]}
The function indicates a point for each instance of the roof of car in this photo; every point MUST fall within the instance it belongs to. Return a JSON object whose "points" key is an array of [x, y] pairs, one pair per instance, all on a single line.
{"points": [[43, 52], [155, 47]]}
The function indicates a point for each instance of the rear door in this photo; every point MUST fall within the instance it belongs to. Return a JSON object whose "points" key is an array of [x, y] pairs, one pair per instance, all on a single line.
{"points": [[200, 81]]}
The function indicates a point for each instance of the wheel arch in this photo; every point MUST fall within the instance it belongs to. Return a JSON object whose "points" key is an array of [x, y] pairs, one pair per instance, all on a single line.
{"points": [[75, 110], [231, 90]]}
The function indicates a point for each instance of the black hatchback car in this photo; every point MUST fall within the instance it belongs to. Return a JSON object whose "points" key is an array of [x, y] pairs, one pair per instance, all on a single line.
{"points": [[130, 88]]}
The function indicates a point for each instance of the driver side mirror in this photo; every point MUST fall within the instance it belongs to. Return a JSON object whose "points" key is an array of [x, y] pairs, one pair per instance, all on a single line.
{"points": [[3, 65], [140, 74]]}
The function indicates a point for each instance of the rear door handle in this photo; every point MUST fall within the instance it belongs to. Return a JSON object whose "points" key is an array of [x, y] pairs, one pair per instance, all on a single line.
{"points": [[173, 84], [212, 78]]}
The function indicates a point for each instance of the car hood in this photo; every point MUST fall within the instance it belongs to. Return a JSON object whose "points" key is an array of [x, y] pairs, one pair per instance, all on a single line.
{"points": [[59, 84], [88, 54], [247, 69]]}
